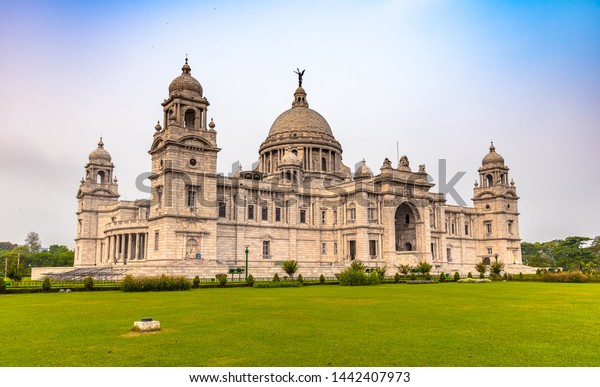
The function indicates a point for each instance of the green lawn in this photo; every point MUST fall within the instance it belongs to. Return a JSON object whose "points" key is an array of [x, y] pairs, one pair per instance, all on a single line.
{"points": [[448, 324]]}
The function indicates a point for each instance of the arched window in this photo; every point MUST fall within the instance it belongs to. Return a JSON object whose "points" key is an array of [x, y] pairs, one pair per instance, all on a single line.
{"points": [[490, 180], [407, 246], [190, 117], [324, 164], [100, 177], [503, 179]]}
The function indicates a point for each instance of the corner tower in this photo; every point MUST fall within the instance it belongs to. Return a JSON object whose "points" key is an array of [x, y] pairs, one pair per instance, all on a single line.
{"points": [[496, 202], [98, 188], [183, 181]]}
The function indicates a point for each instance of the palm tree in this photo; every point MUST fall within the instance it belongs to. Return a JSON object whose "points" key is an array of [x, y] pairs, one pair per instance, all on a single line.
{"points": [[424, 267], [481, 268], [290, 267], [404, 269]]}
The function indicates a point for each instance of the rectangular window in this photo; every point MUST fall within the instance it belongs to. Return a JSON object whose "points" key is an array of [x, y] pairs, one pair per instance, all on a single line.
{"points": [[222, 210], [466, 229], [302, 216], [323, 248], [453, 228], [373, 249], [510, 223], [267, 249], [334, 216], [488, 227], [489, 250], [449, 254], [335, 247], [323, 216], [156, 241], [278, 214], [251, 211], [264, 213], [433, 250], [191, 197]]}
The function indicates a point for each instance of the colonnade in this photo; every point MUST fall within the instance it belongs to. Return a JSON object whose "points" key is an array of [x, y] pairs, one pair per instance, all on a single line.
{"points": [[313, 160], [126, 247]]}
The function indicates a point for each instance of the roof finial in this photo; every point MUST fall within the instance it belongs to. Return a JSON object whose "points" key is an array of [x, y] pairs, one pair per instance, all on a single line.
{"points": [[186, 58], [100, 143], [492, 147]]}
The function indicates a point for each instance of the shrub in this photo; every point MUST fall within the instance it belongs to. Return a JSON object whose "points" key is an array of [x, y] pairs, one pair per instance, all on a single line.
{"points": [[354, 277], [2, 285], [46, 285], [565, 276], [300, 279], [276, 278], [520, 275], [427, 277], [469, 275], [456, 276], [322, 279], [413, 276], [222, 278], [250, 280], [442, 277], [397, 277], [472, 280], [149, 284], [196, 282], [374, 278], [88, 283], [505, 276]]}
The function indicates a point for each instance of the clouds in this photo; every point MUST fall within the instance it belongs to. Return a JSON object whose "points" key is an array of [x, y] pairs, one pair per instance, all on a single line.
{"points": [[441, 78]]}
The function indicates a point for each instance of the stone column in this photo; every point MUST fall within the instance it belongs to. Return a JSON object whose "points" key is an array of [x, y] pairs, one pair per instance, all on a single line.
{"points": [[131, 255]]}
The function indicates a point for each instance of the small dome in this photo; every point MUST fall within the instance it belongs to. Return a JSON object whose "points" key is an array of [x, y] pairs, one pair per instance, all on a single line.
{"points": [[100, 154], [185, 84], [492, 158], [363, 171]]}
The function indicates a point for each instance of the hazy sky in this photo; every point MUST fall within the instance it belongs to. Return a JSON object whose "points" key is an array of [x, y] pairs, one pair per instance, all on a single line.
{"points": [[441, 78]]}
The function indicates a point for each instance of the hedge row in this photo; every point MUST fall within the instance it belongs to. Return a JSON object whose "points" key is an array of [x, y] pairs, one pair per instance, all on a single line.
{"points": [[155, 284]]}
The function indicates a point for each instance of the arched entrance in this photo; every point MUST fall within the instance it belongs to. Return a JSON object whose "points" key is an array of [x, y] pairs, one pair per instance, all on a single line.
{"points": [[406, 228]]}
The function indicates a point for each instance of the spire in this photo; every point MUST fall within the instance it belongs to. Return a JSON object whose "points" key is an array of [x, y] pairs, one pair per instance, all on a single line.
{"points": [[186, 69]]}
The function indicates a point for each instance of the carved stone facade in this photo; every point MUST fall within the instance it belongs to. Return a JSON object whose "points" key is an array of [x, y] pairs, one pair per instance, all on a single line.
{"points": [[301, 202]]}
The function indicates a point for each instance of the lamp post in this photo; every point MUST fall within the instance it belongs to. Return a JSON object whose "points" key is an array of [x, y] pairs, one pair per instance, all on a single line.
{"points": [[247, 251]]}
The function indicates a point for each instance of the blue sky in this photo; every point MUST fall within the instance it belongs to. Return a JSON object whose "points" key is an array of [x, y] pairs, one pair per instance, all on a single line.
{"points": [[441, 78]]}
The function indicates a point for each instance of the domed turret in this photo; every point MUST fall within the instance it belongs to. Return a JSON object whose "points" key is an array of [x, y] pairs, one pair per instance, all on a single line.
{"points": [[363, 171], [100, 155], [185, 84], [492, 158]]}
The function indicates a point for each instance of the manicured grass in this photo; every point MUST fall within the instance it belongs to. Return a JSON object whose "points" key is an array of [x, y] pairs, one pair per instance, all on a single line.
{"points": [[448, 324]]}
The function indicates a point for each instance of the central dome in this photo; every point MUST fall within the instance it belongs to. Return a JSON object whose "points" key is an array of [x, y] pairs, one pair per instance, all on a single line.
{"points": [[300, 119], [300, 126]]}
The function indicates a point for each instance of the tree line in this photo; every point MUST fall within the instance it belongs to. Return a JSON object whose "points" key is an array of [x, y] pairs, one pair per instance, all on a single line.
{"points": [[571, 253], [16, 260]]}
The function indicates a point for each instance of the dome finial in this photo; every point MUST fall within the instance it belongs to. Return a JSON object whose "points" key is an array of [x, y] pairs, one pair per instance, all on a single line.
{"points": [[300, 74], [492, 147], [101, 143]]}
